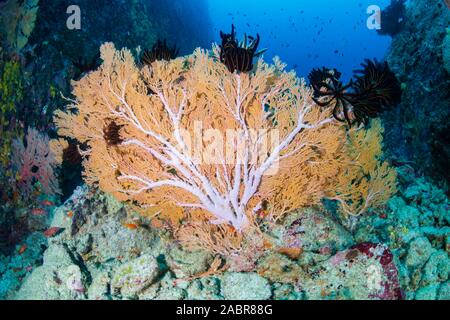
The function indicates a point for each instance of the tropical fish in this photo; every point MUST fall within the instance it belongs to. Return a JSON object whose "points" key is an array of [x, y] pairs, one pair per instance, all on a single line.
{"points": [[70, 214], [48, 203], [50, 232], [22, 249], [262, 213], [131, 226], [38, 212]]}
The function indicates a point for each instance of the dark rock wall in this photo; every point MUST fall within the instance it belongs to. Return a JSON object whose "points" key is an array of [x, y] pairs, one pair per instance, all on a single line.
{"points": [[53, 48], [418, 130]]}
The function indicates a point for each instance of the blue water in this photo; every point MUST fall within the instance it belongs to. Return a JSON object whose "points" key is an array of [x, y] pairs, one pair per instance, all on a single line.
{"points": [[303, 33]]}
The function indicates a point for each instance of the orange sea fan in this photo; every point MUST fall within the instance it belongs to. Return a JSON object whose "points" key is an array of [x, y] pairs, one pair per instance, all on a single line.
{"points": [[190, 134]]}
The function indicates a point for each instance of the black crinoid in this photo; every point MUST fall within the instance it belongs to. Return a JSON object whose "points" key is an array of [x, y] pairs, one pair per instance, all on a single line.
{"points": [[159, 51], [372, 90], [85, 65], [111, 134], [71, 154], [238, 56]]}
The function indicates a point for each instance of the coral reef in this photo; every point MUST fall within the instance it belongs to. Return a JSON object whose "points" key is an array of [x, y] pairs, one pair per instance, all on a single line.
{"points": [[97, 255], [29, 188], [373, 181], [416, 227], [11, 94], [416, 130], [315, 211], [366, 268], [446, 51], [17, 21], [256, 287]]}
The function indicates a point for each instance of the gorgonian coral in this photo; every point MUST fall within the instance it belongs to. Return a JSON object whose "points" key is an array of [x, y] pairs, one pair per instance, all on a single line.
{"points": [[373, 89], [216, 146], [373, 181], [35, 164]]}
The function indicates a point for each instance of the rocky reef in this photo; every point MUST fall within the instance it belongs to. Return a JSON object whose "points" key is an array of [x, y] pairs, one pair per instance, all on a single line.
{"points": [[96, 248], [417, 131]]}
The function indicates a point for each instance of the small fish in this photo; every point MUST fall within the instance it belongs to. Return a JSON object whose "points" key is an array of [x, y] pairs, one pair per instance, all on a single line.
{"points": [[325, 250], [109, 260], [38, 212], [29, 268], [17, 269], [48, 203], [15, 196], [70, 214], [131, 226], [50, 232], [261, 213], [57, 280], [22, 249]]}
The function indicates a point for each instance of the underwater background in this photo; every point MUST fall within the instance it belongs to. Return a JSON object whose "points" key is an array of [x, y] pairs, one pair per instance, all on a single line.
{"points": [[306, 35], [65, 233]]}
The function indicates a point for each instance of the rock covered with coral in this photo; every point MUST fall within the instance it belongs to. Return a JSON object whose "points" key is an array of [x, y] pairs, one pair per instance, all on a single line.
{"points": [[365, 271], [105, 251], [18, 20], [416, 226], [446, 51], [417, 131]]}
